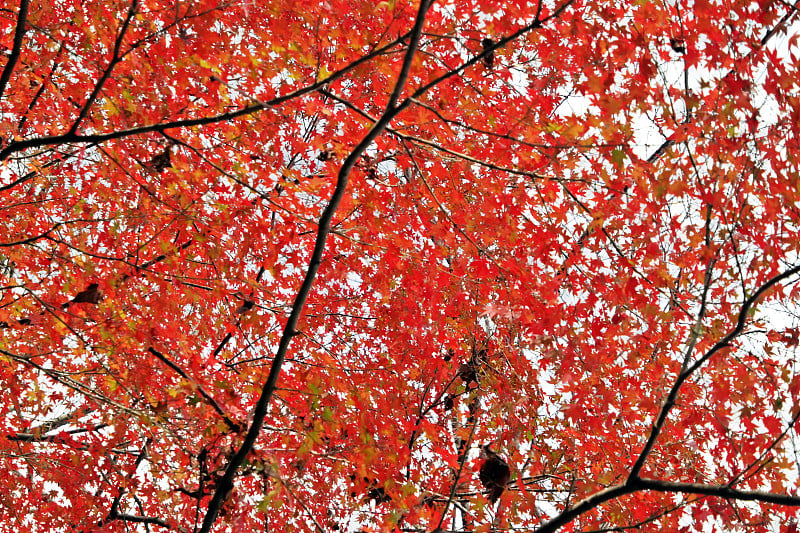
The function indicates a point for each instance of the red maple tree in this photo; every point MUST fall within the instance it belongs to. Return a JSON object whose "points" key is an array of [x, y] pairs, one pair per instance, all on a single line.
{"points": [[289, 266]]}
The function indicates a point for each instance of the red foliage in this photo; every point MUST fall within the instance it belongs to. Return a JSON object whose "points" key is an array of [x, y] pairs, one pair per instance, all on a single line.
{"points": [[290, 264]]}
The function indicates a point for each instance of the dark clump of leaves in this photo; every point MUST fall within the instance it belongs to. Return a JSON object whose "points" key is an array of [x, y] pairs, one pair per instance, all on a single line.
{"points": [[160, 162], [678, 45], [449, 402], [494, 473], [378, 494], [91, 295], [245, 307], [373, 491], [488, 60], [326, 155], [470, 371]]}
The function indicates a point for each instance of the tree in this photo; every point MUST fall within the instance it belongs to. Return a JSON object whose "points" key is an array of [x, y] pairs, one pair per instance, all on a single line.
{"points": [[290, 265]]}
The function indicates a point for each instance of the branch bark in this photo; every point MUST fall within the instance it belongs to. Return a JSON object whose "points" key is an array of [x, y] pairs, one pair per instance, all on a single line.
{"points": [[259, 414], [635, 483], [724, 342], [656, 485], [72, 137], [16, 49]]}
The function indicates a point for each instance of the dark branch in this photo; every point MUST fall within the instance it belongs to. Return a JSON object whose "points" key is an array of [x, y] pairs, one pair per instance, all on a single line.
{"points": [[718, 491], [260, 411], [16, 50], [537, 23], [72, 137], [36, 436], [115, 59], [725, 342], [30, 240], [669, 143], [655, 485], [584, 506], [141, 520], [208, 398]]}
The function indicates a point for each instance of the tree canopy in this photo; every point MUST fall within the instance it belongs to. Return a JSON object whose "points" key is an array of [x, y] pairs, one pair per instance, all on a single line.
{"points": [[290, 266]]}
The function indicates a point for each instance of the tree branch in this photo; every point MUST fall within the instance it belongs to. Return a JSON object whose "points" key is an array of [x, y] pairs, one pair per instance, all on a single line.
{"points": [[16, 50], [208, 398], [537, 23], [260, 411], [115, 59], [718, 491], [142, 520], [583, 506], [30, 240], [72, 137], [669, 143], [656, 485], [669, 403]]}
